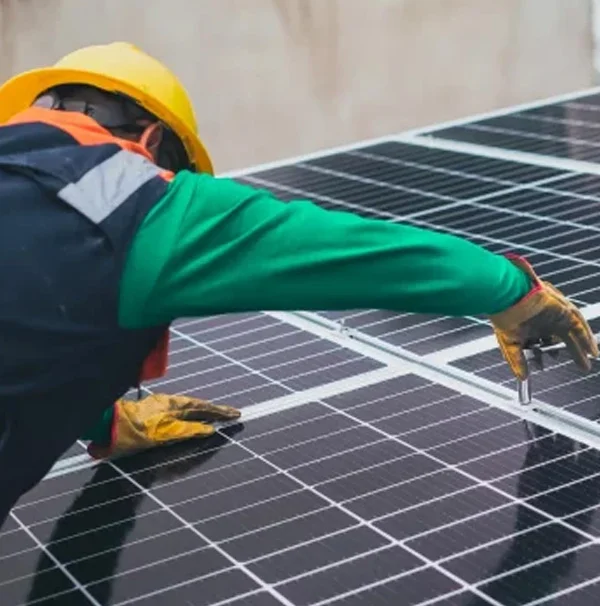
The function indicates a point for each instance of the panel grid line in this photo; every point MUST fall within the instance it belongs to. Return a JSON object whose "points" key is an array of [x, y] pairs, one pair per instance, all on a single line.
{"points": [[465, 474], [295, 468], [370, 525], [568, 590], [474, 202], [240, 363], [376, 550], [76, 584], [396, 218], [397, 577], [452, 201], [580, 105], [214, 340], [162, 560], [554, 120], [353, 357], [181, 584], [527, 135], [230, 350], [266, 586], [311, 541], [534, 186], [537, 562], [252, 319], [446, 171], [202, 320]]}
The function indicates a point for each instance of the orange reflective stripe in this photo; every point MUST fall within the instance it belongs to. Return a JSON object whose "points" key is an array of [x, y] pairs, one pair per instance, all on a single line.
{"points": [[82, 128]]}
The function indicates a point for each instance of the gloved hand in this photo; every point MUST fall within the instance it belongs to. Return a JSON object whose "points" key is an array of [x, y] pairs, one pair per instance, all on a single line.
{"points": [[160, 419], [543, 315]]}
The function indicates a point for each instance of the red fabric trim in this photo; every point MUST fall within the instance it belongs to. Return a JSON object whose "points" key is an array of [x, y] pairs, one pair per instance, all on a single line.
{"points": [[155, 365], [113, 426], [520, 261], [82, 128]]}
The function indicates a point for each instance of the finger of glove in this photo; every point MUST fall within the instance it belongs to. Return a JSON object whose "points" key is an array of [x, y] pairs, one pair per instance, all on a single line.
{"points": [[577, 352], [211, 412], [194, 409], [578, 345], [574, 335], [584, 335], [173, 430], [514, 356]]}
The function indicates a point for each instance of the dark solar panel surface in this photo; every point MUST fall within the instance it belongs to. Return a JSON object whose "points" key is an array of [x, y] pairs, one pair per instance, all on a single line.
{"points": [[569, 129], [334, 502], [401, 492]]}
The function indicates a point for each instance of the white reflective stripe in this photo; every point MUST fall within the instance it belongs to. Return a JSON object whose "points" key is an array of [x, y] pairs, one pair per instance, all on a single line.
{"points": [[104, 188]]}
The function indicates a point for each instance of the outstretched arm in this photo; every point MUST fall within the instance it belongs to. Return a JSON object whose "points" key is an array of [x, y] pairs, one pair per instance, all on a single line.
{"points": [[215, 246], [226, 247]]}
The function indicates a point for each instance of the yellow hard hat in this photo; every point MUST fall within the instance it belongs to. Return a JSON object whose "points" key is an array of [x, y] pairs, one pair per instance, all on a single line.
{"points": [[118, 67]]}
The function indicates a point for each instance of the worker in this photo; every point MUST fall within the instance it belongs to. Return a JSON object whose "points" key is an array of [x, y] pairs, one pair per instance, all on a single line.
{"points": [[114, 225]]}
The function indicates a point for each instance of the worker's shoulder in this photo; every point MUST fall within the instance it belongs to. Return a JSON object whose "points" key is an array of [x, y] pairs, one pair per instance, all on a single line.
{"points": [[210, 186], [199, 197]]}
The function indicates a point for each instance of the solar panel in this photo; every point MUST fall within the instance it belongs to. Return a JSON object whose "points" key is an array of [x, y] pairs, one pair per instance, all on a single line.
{"points": [[317, 504], [381, 458], [565, 129]]}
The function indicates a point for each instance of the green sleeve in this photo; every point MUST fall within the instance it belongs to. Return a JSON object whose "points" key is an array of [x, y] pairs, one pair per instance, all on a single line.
{"points": [[212, 246]]}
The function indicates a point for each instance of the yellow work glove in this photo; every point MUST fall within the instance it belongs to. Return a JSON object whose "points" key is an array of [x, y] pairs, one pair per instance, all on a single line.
{"points": [[546, 316], [160, 419]]}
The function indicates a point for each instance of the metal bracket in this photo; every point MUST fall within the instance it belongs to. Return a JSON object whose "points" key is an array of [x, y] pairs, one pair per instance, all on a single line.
{"points": [[343, 329]]}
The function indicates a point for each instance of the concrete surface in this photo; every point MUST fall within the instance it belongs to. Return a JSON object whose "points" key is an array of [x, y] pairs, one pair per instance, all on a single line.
{"points": [[272, 78]]}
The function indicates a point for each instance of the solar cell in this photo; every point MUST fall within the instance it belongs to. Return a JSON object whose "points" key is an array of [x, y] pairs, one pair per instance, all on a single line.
{"points": [[365, 488]]}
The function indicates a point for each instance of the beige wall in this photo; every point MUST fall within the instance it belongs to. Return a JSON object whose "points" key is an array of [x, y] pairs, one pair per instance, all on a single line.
{"points": [[272, 78]]}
